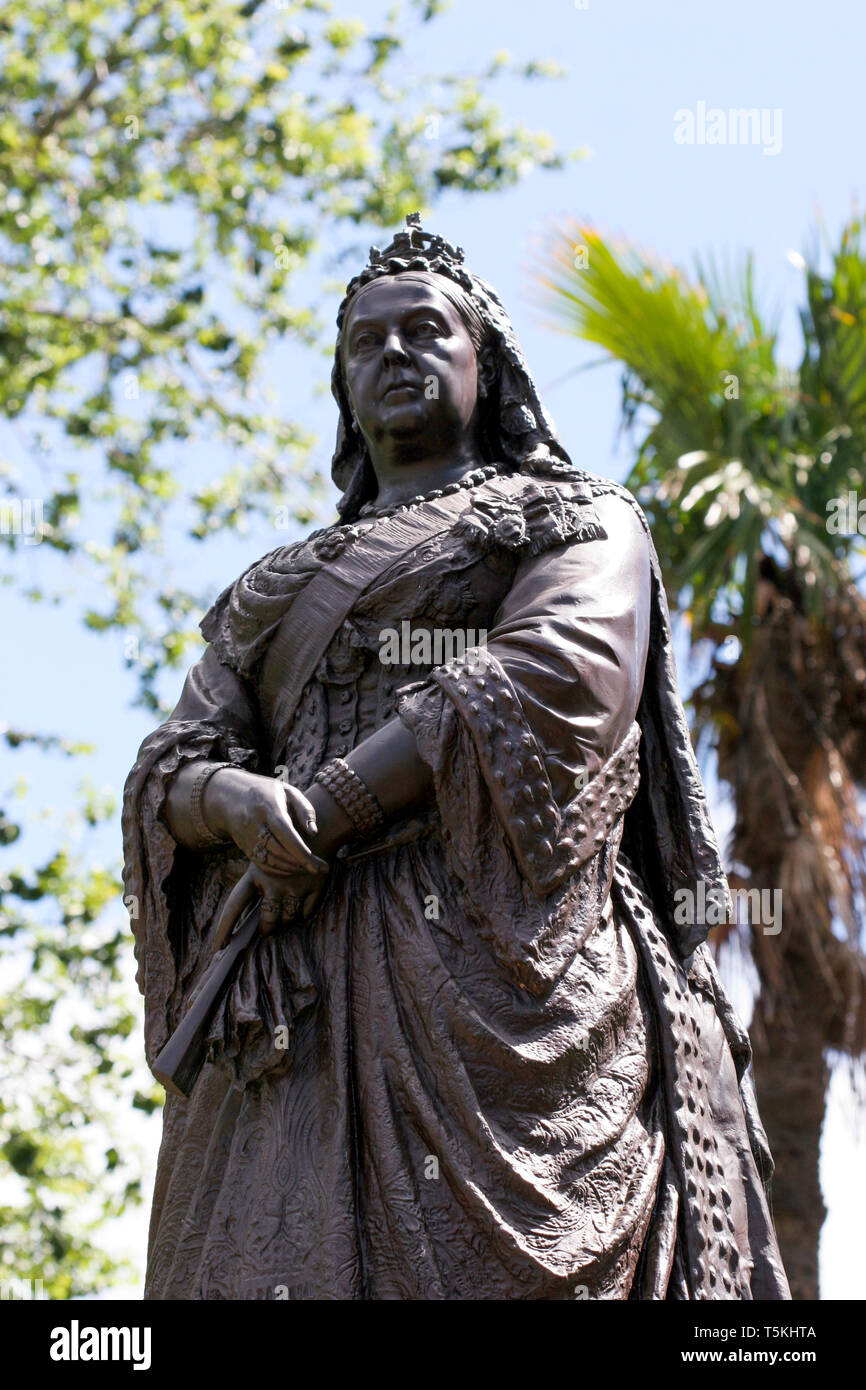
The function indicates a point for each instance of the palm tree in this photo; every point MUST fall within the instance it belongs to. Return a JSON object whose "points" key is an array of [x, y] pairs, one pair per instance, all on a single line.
{"points": [[751, 476]]}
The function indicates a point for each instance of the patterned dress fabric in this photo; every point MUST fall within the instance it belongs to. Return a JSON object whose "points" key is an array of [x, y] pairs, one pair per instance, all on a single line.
{"points": [[490, 1065]]}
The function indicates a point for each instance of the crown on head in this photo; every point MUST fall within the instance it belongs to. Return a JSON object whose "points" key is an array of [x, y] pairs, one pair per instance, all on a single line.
{"points": [[411, 249], [414, 242]]}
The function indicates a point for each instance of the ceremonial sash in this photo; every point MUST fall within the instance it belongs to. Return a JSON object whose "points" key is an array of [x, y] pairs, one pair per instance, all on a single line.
{"points": [[317, 614]]}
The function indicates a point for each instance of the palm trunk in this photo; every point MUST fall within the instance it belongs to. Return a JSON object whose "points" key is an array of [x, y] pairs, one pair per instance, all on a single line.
{"points": [[797, 830], [778, 773], [791, 1079]]}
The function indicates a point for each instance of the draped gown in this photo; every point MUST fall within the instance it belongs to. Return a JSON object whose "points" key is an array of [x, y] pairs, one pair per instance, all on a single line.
{"points": [[490, 1065]]}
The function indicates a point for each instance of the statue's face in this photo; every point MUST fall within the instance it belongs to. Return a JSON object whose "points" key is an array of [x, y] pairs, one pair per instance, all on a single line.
{"points": [[409, 363]]}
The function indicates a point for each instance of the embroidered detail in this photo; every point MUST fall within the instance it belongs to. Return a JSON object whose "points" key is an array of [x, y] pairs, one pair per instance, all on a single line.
{"points": [[493, 523], [556, 514], [346, 657], [589, 820], [592, 823], [476, 478], [510, 757], [333, 542], [512, 515], [543, 515], [451, 601], [305, 747], [714, 1267], [150, 858], [548, 845]]}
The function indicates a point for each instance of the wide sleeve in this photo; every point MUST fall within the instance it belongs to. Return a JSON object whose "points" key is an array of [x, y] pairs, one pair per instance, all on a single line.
{"points": [[571, 638], [532, 738], [172, 892]]}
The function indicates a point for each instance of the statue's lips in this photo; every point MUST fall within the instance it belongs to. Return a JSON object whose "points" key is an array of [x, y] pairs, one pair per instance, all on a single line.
{"points": [[400, 386]]}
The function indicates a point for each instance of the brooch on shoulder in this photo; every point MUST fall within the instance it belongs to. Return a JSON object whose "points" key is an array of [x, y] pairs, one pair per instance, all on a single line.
{"points": [[492, 524]]}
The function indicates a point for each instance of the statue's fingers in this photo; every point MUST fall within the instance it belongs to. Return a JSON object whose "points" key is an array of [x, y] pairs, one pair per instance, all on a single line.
{"points": [[303, 810], [301, 856], [243, 893], [271, 912], [274, 859], [312, 900]]}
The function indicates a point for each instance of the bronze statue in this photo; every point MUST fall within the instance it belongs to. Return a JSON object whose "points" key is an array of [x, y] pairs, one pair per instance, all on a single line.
{"points": [[434, 766]]}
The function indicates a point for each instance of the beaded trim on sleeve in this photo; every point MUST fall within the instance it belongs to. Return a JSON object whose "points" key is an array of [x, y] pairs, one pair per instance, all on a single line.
{"points": [[548, 843]]}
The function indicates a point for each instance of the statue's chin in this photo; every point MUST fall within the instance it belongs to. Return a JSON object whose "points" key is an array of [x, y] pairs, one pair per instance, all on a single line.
{"points": [[409, 405], [406, 420]]}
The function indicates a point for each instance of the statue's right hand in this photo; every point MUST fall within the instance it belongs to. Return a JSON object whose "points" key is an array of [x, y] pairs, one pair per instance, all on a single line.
{"points": [[265, 818]]}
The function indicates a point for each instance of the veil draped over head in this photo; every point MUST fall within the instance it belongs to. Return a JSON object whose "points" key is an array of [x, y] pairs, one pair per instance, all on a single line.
{"points": [[515, 429]]}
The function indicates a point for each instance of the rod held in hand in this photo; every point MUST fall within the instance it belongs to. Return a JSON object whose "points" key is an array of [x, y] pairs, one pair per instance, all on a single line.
{"points": [[178, 1064]]}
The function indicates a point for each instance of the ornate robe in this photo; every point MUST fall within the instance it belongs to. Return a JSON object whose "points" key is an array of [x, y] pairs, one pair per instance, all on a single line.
{"points": [[491, 1065]]}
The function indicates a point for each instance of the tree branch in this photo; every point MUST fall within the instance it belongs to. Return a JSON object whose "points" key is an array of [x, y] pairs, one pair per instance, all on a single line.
{"points": [[101, 69]]}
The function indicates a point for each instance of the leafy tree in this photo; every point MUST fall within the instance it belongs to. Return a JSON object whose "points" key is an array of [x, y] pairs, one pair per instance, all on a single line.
{"points": [[751, 475], [66, 1050], [171, 173], [166, 171]]}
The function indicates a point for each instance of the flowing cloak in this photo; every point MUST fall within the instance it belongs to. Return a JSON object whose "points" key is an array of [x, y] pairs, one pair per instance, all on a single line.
{"points": [[495, 1063]]}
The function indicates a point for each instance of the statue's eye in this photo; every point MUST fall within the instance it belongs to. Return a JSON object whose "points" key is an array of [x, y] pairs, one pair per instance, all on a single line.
{"points": [[427, 328], [365, 339]]}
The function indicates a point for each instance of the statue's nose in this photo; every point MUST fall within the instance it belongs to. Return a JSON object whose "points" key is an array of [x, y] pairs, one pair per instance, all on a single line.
{"points": [[394, 350]]}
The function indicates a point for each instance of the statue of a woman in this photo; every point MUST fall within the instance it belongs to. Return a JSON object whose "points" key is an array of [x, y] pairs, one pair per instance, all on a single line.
{"points": [[473, 1051]]}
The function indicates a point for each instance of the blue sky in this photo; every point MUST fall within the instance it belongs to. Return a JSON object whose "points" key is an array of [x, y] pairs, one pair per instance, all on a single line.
{"points": [[632, 67]]}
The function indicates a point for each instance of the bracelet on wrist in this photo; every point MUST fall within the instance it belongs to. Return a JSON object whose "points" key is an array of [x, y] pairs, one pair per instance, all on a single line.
{"points": [[352, 795], [205, 837]]}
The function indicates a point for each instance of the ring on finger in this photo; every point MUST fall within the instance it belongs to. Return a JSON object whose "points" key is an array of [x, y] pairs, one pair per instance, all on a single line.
{"points": [[261, 849], [290, 906]]}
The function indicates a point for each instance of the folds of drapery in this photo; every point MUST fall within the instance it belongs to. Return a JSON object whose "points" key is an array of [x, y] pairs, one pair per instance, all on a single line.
{"points": [[528, 743], [177, 893], [443, 1130]]}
